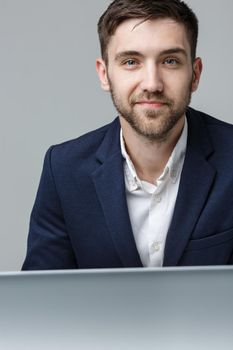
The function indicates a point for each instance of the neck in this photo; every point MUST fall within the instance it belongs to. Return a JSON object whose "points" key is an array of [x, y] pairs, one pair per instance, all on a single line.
{"points": [[149, 157]]}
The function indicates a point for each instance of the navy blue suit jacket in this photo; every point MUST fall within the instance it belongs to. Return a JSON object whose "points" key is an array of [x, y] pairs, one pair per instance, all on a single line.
{"points": [[80, 217]]}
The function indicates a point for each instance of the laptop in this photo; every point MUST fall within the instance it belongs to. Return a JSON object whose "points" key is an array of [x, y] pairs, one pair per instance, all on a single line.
{"points": [[119, 309]]}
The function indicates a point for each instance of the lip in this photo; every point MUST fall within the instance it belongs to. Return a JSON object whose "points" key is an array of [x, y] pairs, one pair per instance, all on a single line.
{"points": [[149, 103]]}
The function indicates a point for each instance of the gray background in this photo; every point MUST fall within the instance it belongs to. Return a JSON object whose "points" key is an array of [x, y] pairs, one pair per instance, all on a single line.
{"points": [[50, 92]]}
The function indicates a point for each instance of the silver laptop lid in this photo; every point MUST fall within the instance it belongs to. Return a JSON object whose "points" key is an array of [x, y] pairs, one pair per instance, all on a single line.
{"points": [[167, 308]]}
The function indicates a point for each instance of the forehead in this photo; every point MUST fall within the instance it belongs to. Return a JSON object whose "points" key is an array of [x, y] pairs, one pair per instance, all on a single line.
{"points": [[151, 35]]}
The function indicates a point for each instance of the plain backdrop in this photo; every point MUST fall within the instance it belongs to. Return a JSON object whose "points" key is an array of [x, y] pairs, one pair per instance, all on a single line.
{"points": [[50, 92]]}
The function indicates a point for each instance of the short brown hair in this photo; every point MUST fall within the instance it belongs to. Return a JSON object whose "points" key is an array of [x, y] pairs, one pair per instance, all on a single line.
{"points": [[121, 10]]}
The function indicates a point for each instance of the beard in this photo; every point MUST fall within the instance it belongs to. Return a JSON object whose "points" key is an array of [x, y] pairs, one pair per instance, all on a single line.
{"points": [[154, 125]]}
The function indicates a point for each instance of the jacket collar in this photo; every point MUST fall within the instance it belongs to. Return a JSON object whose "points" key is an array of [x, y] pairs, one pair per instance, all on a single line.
{"points": [[196, 179], [110, 188]]}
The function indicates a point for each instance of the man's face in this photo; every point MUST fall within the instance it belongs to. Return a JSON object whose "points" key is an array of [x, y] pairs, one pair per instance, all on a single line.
{"points": [[150, 75]]}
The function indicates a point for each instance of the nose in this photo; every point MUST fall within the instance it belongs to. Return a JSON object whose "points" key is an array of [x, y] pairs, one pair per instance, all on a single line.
{"points": [[151, 80]]}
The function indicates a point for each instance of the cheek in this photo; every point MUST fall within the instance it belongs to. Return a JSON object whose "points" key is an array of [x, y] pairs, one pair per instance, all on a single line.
{"points": [[178, 84], [125, 80], [124, 88]]}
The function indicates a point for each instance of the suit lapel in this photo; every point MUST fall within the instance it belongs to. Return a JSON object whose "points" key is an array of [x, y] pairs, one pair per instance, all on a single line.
{"points": [[110, 188], [196, 180]]}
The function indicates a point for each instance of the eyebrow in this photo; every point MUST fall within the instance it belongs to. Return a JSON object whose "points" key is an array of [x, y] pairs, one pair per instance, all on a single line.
{"points": [[173, 50], [129, 53]]}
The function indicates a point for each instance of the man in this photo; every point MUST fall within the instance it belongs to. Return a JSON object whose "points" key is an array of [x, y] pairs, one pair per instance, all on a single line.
{"points": [[154, 187]]}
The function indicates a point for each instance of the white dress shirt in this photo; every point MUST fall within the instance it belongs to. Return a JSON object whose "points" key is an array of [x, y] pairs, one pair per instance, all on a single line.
{"points": [[151, 206]]}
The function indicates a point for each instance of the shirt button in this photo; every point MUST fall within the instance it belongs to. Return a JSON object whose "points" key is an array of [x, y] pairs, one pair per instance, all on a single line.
{"points": [[173, 173], [155, 246], [158, 199]]}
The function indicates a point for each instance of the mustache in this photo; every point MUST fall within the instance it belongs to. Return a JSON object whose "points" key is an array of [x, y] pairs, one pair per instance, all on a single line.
{"points": [[158, 97]]}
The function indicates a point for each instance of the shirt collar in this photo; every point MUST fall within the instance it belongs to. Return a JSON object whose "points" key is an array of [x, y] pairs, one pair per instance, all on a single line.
{"points": [[172, 169]]}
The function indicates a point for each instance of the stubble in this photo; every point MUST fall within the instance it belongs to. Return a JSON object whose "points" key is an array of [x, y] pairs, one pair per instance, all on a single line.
{"points": [[152, 124]]}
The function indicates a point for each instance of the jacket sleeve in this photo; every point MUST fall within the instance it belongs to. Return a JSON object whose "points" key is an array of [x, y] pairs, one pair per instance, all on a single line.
{"points": [[49, 246]]}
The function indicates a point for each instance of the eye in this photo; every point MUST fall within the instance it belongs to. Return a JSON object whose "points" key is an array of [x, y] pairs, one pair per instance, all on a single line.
{"points": [[130, 63], [171, 61]]}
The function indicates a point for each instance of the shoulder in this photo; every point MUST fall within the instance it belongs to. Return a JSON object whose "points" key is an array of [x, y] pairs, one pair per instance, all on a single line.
{"points": [[212, 123], [82, 147], [219, 132]]}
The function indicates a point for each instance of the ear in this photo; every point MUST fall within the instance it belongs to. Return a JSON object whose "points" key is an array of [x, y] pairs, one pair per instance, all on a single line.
{"points": [[102, 73], [197, 69]]}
